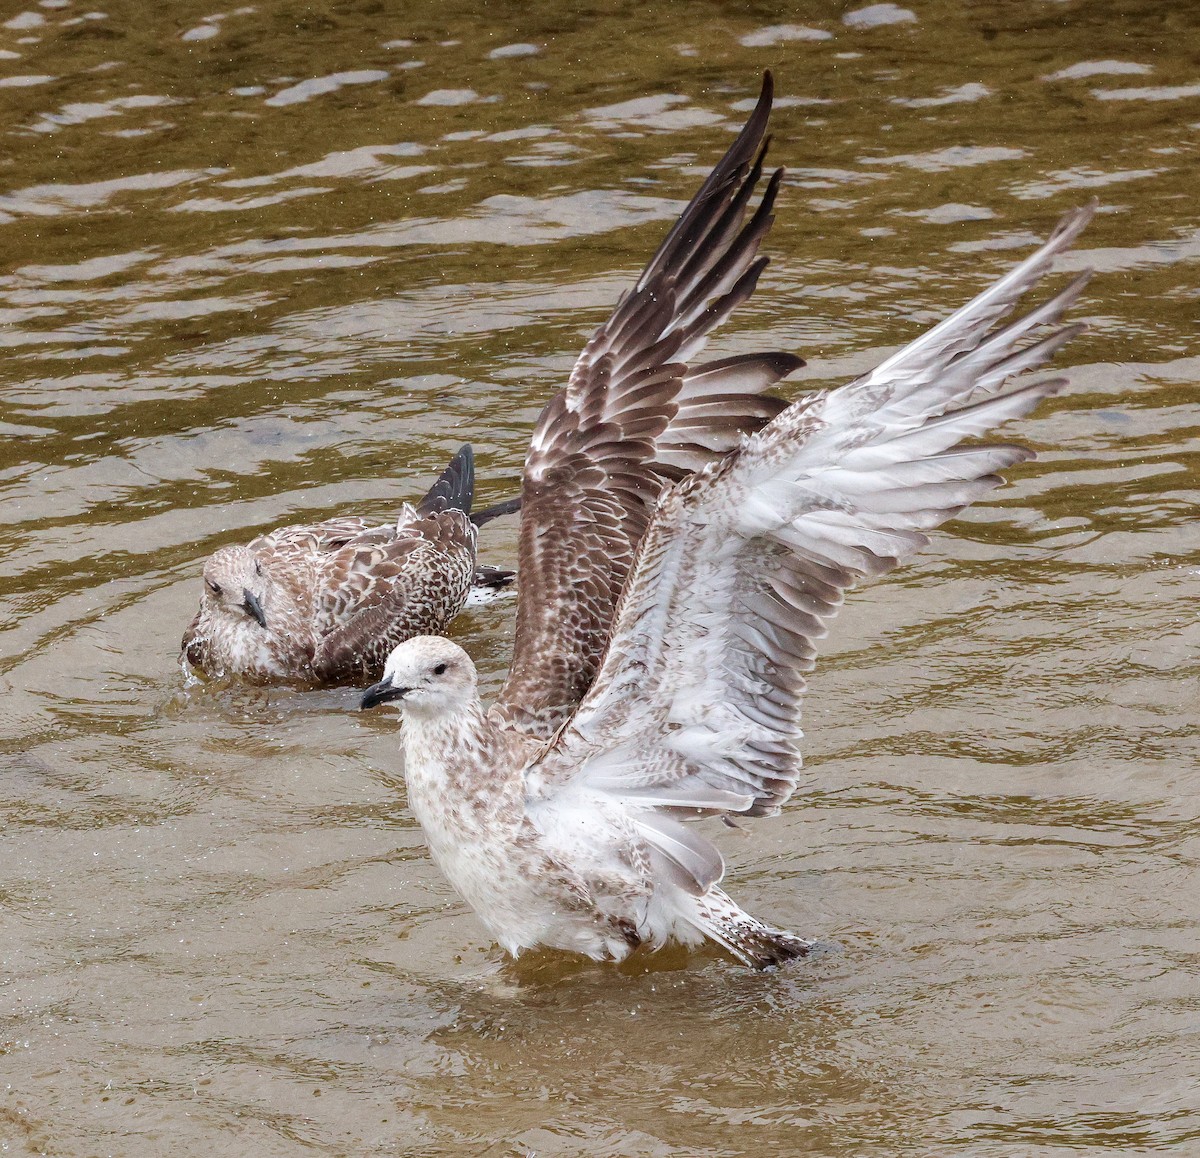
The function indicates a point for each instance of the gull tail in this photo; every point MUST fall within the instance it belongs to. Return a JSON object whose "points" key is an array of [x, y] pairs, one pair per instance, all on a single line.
{"points": [[492, 578], [751, 941], [455, 488]]}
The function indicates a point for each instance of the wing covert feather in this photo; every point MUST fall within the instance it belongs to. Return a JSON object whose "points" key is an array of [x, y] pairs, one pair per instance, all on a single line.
{"points": [[377, 594]]}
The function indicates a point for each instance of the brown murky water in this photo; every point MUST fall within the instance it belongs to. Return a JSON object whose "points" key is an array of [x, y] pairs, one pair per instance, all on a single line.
{"points": [[279, 262]]}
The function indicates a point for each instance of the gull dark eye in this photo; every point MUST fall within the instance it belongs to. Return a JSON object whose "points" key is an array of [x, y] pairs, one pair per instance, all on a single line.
{"points": [[215, 588], [440, 669], [257, 567]]}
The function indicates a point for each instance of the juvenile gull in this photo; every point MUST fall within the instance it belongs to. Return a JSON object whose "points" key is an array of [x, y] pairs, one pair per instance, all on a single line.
{"points": [[325, 602], [563, 821]]}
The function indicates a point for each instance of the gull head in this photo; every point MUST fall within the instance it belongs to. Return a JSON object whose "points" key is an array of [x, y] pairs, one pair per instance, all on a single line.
{"points": [[427, 675], [235, 584]]}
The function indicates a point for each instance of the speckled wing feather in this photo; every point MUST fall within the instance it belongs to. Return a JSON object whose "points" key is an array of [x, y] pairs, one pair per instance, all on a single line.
{"points": [[307, 538], [371, 595], [696, 708], [635, 412], [373, 586]]}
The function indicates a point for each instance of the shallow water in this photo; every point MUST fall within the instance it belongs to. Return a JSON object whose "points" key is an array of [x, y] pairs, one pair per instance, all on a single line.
{"points": [[279, 263]]}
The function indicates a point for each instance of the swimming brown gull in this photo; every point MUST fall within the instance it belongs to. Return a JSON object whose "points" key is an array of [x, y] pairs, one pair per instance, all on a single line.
{"points": [[325, 602], [579, 841]]}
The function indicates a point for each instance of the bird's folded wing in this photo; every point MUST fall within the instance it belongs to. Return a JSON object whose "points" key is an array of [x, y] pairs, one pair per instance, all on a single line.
{"points": [[307, 539], [635, 412], [696, 708], [370, 596]]}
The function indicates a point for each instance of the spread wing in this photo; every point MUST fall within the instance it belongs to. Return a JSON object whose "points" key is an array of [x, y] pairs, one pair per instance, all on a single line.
{"points": [[697, 704], [636, 411]]}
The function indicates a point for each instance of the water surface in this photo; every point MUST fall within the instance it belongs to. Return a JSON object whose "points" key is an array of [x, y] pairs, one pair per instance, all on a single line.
{"points": [[277, 263]]}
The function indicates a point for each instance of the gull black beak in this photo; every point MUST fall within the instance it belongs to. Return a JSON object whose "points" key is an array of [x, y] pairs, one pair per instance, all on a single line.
{"points": [[252, 606], [381, 693]]}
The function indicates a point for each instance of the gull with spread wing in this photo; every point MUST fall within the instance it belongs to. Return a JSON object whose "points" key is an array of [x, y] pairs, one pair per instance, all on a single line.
{"points": [[561, 814]]}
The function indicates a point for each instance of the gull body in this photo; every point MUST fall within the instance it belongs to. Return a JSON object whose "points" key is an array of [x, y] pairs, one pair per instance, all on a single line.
{"points": [[667, 618], [325, 602], [568, 871]]}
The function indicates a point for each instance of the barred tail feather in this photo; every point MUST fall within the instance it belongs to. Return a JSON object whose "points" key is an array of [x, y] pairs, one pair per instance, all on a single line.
{"points": [[751, 941], [492, 577]]}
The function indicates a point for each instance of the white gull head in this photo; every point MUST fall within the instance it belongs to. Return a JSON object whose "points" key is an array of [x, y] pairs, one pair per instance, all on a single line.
{"points": [[428, 676]]}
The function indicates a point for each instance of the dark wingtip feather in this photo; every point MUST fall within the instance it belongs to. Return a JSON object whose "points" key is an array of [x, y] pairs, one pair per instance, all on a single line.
{"points": [[455, 488], [496, 510], [747, 150], [767, 95]]}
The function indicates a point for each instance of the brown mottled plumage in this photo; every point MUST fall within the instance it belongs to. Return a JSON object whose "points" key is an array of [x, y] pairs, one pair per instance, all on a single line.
{"points": [[686, 701], [325, 602], [638, 411]]}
